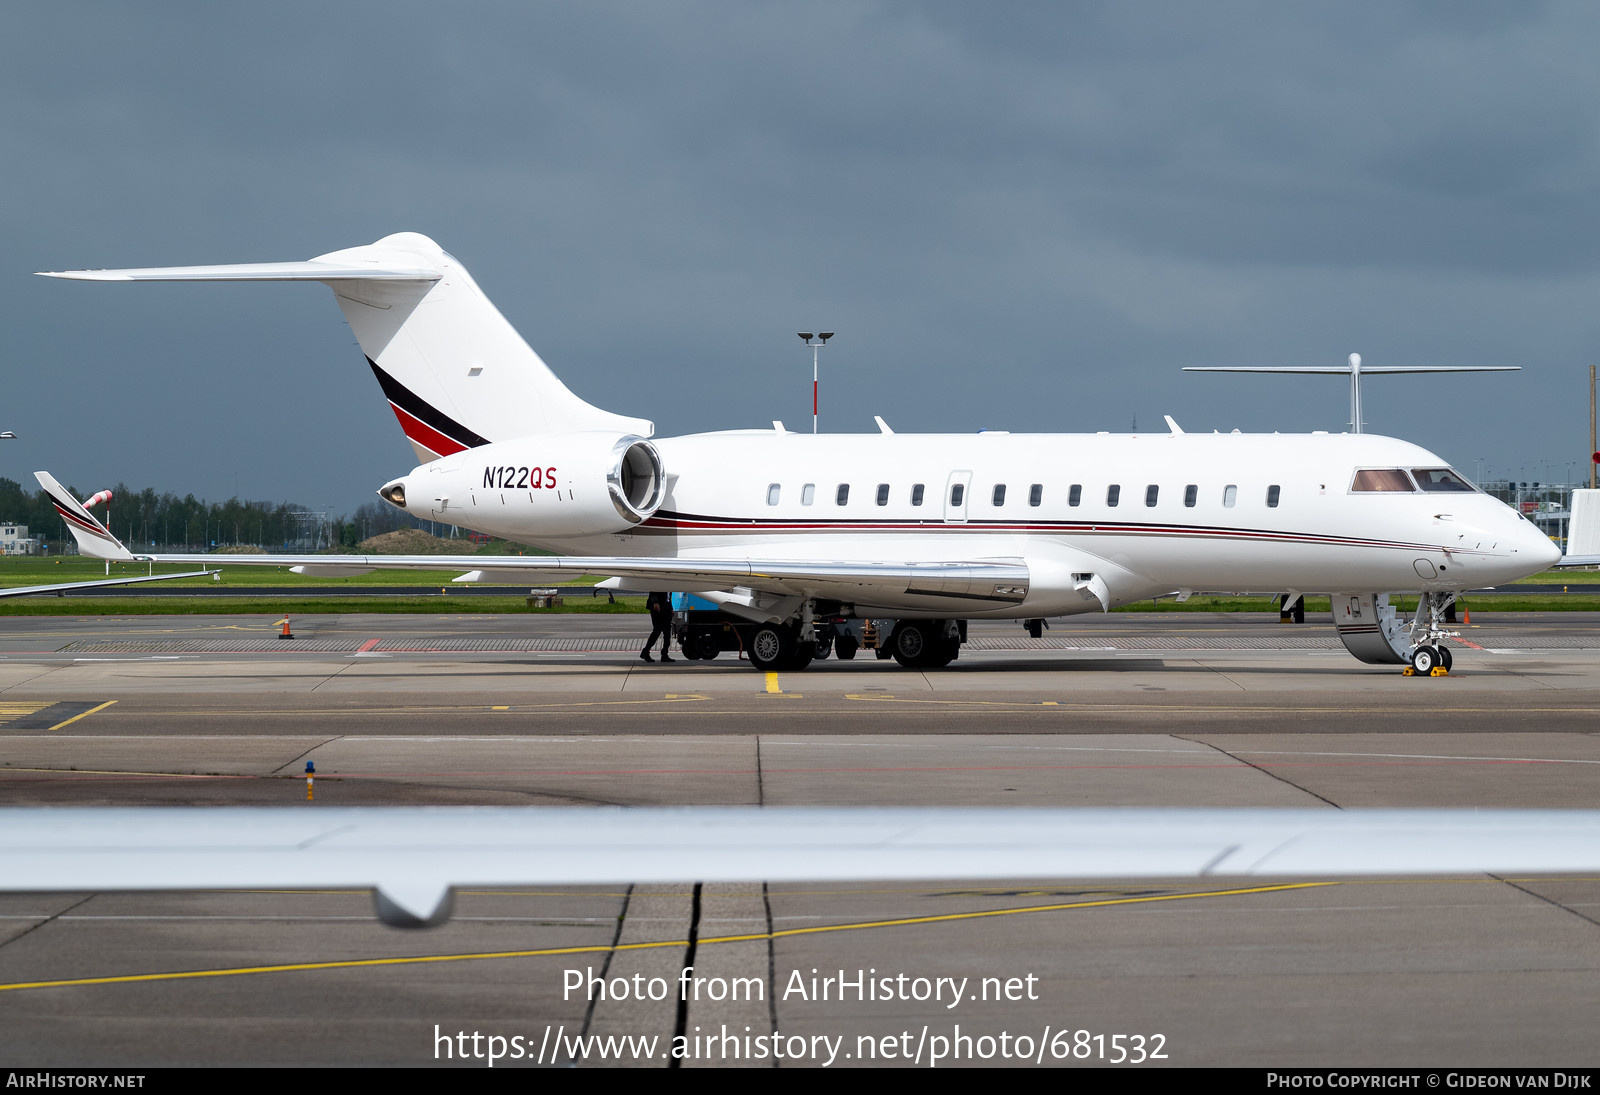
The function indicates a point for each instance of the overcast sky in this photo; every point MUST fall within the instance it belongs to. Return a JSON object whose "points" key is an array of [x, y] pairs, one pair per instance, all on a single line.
{"points": [[1015, 216]]}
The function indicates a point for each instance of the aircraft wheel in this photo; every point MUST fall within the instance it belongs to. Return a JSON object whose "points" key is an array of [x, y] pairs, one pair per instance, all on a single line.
{"points": [[845, 647], [911, 645], [771, 647], [800, 657], [1423, 659], [705, 646], [824, 645], [1446, 659]]}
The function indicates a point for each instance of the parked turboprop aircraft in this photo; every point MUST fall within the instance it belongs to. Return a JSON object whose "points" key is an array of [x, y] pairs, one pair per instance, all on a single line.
{"points": [[808, 536]]}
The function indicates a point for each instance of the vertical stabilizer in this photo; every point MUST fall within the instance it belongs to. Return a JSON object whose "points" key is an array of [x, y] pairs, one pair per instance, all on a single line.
{"points": [[457, 374]]}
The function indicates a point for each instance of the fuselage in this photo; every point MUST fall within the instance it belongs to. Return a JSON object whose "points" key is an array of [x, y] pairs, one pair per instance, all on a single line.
{"points": [[1146, 513]]}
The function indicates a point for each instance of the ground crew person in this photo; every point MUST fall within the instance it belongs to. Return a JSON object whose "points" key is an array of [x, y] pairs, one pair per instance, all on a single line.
{"points": [[660, 605]]}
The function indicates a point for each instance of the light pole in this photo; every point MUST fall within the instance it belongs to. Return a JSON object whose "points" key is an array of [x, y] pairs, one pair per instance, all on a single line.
{"points": [[822, 340]]}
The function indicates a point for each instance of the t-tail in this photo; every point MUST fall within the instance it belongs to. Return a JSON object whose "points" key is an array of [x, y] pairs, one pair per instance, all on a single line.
{"points": [[455, 372], [93, 538]]}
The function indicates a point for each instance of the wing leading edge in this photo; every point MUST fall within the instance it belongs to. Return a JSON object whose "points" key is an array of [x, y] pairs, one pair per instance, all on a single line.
{"points": [[415, 856], [996, 581]]}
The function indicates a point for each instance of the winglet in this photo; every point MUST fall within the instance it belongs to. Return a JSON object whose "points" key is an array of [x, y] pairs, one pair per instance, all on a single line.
{"points": [[93, 537]]}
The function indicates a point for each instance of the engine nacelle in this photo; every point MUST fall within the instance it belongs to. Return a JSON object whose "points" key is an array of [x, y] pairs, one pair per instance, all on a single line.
{"points": [[571, 484]]}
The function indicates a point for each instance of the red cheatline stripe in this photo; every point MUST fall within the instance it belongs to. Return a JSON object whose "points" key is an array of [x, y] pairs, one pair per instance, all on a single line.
{"points": [[68, 515], [1074, 528], [425, 435]]}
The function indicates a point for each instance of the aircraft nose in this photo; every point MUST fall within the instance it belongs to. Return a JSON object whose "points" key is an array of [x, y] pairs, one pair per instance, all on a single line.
{"points": [[1542, 550]]}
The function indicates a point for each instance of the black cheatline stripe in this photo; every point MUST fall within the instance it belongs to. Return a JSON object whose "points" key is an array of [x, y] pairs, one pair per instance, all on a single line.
{"points": [[72, 518], [408, 401], [1130, 528]]}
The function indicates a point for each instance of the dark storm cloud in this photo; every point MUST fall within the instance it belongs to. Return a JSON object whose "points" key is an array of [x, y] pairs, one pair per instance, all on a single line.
{"points": [[1016, 216]]}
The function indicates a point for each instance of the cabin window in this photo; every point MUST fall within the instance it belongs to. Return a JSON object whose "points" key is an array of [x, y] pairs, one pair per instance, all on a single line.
{"points": [[772, 495], [808, 493], [957, 493], [1151, 493], [843, 494], [1075, 494], [999, 494], [1440, 479], [1382, 479], [916, 494], [1113, 494], [1230, 495], [883, 494], [1272, 496], [1036, 494], [1191, 495]]}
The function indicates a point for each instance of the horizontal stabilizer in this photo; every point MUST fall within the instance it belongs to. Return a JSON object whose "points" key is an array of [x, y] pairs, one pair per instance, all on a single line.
{"points": [[1344, 370], [253, 271]]}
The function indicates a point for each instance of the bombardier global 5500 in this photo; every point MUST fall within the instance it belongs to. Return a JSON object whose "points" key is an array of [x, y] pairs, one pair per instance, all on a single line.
{"points": [[808, 536]]}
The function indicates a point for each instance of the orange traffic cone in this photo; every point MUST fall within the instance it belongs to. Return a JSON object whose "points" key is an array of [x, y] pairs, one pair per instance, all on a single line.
{"points": [[287, 634], [1466, 615]]}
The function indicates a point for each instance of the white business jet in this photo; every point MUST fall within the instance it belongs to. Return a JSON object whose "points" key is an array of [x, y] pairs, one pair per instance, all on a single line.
{"points": [[807, 536]]}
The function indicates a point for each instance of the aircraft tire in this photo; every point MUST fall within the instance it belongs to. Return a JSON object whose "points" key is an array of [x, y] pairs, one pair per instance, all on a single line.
{"points": [[911, 645], [771, 647], [1446, 659], [1423, 659], [801, 657]]}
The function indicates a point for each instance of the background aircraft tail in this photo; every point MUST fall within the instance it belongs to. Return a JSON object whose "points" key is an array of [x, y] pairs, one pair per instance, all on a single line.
{"points": [[456, 374], [93, 538]]}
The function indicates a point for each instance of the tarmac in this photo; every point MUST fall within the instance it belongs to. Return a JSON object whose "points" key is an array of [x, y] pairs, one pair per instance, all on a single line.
{"points": [[1159, 709]]}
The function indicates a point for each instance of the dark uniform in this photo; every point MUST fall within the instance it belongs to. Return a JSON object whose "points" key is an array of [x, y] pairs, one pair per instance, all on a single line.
{"points": [[660, 624]]}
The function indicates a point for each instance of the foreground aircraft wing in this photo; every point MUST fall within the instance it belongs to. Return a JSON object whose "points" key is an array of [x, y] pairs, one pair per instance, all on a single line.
{"points": [[415, 856], [995, 581]]}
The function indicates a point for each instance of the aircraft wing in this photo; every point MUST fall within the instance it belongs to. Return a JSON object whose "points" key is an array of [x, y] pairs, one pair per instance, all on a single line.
{"points": [[994, 581], [414, 856], [62, 587], [1572, 562]]}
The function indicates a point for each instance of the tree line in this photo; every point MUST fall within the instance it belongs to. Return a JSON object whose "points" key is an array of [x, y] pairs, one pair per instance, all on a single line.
{"points": [[146, 518]]}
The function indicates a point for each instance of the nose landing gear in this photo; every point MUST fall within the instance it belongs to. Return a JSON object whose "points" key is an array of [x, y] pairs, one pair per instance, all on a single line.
{"points": [[1430, 657]]}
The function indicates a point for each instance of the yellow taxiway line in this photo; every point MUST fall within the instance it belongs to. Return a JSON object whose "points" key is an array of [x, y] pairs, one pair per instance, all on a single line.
{"points": [[413, 960], [84, 715]]}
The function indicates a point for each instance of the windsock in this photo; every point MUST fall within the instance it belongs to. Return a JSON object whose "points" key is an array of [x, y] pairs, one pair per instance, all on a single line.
{"points": [[103, 496]]}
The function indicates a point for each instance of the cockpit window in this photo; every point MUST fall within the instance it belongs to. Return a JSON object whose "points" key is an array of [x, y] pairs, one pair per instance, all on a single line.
{"points": [[1440, 479], [1382, 479]]}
